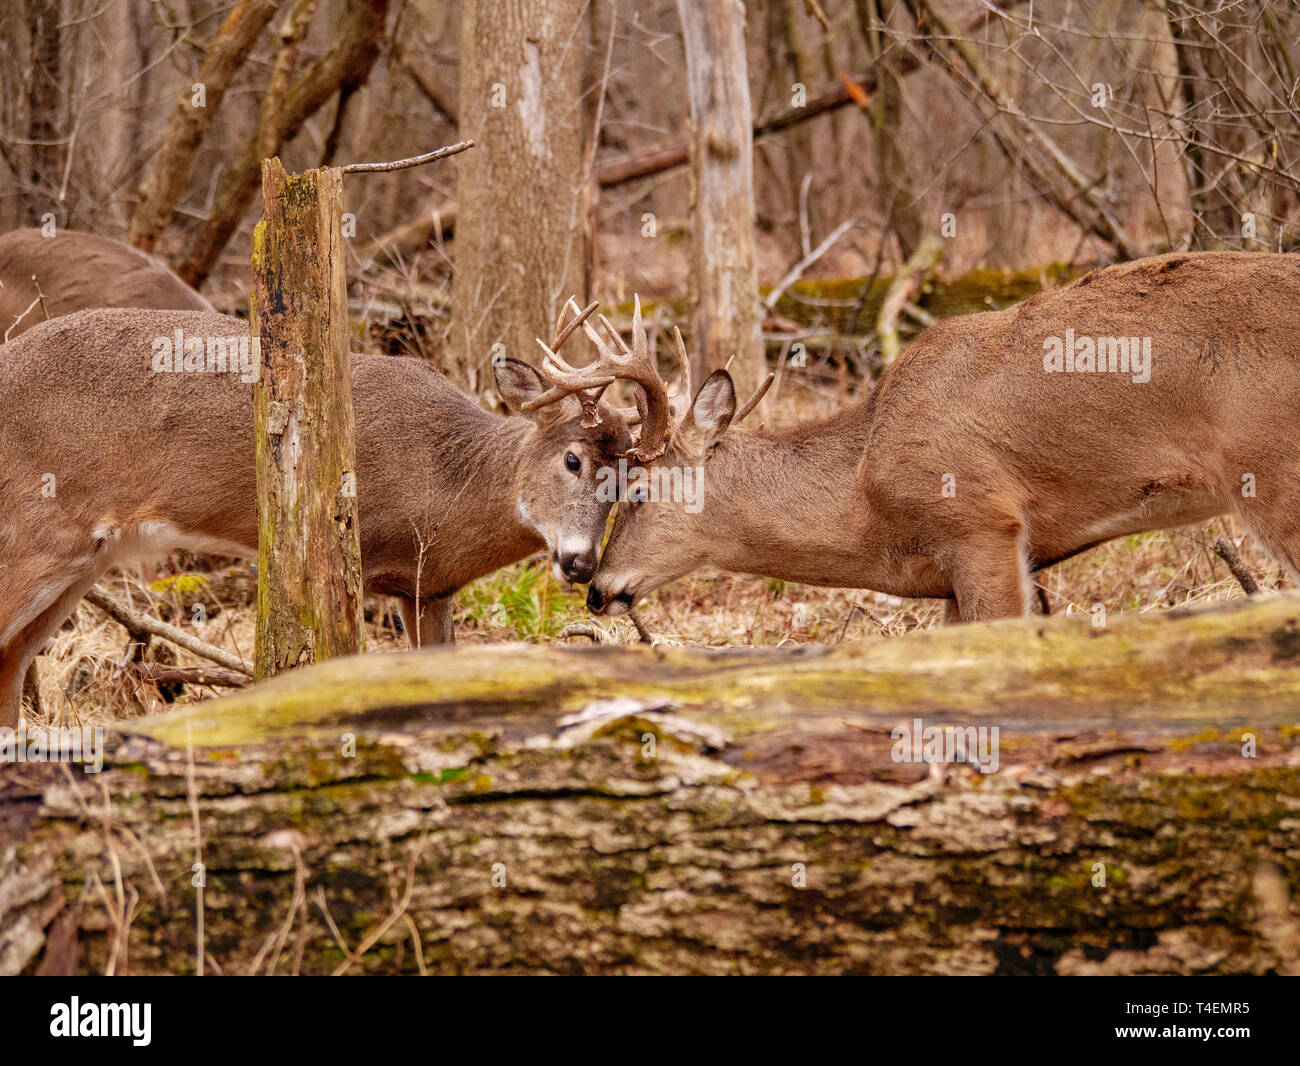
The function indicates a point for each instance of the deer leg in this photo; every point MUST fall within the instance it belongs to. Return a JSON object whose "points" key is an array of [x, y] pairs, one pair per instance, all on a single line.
{"points": [[427, 620], [951, 612], [20, 651], [1279, 530], [989, 576]]}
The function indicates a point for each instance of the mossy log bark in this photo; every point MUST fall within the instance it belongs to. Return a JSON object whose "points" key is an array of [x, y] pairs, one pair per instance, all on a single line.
{"points": [[850, 306], [539, 809]]}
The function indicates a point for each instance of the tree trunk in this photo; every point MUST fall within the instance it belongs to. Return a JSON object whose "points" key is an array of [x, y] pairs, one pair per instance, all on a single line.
{"points": [[519, 229], [309, 543], [725, 317], [491, 810], [800, 154], [893, 182]]}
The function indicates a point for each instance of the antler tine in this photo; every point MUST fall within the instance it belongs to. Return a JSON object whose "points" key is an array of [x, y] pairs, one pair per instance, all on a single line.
{"points": [[637, 365], [584, 383], [754, 400], [563, 332], [587, 383], [679, 397]]}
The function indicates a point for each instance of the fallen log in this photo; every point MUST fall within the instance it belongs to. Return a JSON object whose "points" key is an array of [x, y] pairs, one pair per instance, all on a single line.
{"points": [[538, 809]]}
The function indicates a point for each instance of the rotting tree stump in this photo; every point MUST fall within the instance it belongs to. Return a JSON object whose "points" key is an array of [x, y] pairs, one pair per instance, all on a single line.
{"points": [[733, 812], [309, 602]]}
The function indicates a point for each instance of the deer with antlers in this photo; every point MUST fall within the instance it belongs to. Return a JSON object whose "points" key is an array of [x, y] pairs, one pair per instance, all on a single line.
{"points": [[103, 459], [1142, 396]]}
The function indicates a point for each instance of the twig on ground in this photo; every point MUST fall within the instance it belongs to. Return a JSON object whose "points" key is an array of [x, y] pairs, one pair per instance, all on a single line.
{"points": [[190, 675], [1224, 550], [642, 632], [135, 621], [582, 629]]}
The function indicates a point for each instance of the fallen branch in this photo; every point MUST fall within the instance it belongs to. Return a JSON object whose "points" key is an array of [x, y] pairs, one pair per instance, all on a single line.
{"points": [[796, 271], [1225, 551], [902, 291], [412, 161], [138, 622], [190, 675]]}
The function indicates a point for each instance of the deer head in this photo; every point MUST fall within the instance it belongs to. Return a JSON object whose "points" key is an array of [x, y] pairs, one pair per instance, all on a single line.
{"points": [[661, 530], [577, 437]]}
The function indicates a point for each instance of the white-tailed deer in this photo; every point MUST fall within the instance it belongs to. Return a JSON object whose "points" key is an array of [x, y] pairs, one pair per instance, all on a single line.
{"points": [[42, 277], [104, 458], [1142, 396]]}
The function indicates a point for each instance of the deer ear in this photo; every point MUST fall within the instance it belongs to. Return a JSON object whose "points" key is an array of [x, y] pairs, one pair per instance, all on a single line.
{"points": [[518, 383], [710, 414]]}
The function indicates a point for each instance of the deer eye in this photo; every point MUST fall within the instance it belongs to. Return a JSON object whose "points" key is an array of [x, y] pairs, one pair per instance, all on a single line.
{"points": [[572, 462], [637, 496]]}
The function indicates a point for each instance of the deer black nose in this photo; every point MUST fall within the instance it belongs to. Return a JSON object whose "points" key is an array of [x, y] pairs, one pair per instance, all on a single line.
{"points": [[595, 600], [578, 567]]}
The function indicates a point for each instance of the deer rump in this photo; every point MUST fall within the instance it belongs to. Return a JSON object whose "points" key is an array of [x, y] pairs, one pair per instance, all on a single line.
{"points": [[44, 277], [1142, 396]]}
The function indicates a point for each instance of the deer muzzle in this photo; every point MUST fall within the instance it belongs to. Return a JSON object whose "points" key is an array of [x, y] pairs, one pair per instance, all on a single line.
{"points": [[598, 603]]}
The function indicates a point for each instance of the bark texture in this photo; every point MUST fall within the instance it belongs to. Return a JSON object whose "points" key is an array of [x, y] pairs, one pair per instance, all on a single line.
{"points": [[489, 810], [725, 317], [520, 196], [309, 541]]}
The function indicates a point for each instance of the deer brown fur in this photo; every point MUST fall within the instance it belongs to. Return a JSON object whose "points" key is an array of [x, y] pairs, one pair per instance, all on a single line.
{"points": [[43, 277], [969, 466], [145, 461]]}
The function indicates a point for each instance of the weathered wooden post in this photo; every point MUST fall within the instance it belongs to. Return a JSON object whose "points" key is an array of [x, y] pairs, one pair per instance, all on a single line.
{"points": [[309, 604]]}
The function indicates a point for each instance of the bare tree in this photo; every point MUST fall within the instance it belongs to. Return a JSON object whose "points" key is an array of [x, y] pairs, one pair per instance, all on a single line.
{"points": [[520, 220], [724, 284], [286, 105], [193, 116]]}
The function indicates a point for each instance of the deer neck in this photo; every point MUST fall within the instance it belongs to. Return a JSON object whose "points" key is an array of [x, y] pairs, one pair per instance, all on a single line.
{"points": [[465, 523], [787, 506], [496, 504]]}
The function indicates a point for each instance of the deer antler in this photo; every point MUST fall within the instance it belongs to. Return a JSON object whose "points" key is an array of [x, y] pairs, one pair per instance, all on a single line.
{"points": [[754, 400], [637, 365], [634, 364], [586, 384], [680, 393], [658, 409]]}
